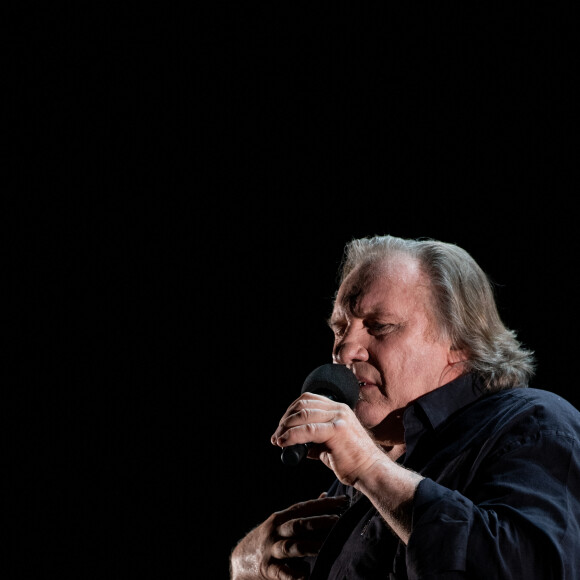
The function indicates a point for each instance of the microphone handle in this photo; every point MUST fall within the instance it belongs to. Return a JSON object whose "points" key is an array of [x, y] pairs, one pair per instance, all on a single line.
{"points": [[294, 454]]}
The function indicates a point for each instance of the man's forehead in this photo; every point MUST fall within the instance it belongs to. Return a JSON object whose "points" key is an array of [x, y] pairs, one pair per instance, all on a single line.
{"points": [[354, 299], [361, 310], [388, 277]]}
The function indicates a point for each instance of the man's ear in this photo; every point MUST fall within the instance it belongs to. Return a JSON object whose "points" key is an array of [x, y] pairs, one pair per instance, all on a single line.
{"points": [[456, 354]]}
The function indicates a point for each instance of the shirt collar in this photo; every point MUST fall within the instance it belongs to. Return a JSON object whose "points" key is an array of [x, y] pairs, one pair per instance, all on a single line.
{"points": [[441, 403], [432, 409]]}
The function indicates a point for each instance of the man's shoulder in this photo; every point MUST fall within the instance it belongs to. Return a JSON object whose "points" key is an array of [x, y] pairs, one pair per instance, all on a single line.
{"points": [[534, 396], [549, 408]]}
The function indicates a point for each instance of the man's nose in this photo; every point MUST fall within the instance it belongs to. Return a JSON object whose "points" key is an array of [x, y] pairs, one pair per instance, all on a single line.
{"points": [[351, 348]]}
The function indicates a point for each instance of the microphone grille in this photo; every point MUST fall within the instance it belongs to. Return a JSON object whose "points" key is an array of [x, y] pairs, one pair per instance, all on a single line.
{"points": [[335, 381]]}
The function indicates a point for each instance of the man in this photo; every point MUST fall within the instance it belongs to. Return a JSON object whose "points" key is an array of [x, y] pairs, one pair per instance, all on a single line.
{"points": [[448, 467]]}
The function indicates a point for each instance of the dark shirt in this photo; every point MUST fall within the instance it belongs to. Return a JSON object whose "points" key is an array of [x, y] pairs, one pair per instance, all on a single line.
{"points": [[500, 498]]}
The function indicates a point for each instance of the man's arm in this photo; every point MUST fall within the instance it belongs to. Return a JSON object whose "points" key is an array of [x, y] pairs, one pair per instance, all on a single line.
{"points": [[391, 488]]}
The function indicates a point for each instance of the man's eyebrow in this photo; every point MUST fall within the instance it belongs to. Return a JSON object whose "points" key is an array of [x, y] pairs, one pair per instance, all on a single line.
{"points": [[378, 312], [333, 320], [375, 314]]}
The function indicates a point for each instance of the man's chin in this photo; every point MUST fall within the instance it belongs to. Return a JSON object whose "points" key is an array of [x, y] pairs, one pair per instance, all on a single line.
{"points": [[368, 414]]}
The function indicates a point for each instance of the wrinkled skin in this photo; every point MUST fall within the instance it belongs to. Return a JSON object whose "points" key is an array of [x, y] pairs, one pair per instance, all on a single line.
{"points": [[344, 445], [273, 550]]}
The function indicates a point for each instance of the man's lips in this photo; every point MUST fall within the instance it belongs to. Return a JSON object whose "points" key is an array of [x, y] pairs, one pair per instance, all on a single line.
{"points": [[365, 383]]}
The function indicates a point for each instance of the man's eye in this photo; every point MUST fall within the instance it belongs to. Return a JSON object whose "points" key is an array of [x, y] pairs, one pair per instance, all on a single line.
{"points": [[378, 328]]}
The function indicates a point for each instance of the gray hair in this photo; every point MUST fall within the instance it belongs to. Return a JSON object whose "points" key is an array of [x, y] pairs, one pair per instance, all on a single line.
{"points": [[464, 305]]}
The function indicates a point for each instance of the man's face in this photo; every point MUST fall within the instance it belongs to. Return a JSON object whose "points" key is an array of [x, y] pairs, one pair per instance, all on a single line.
{"points": [[384, 332]]}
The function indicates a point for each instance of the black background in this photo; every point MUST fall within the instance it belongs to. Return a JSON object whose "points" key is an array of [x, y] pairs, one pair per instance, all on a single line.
{"points": [[180, 186]]}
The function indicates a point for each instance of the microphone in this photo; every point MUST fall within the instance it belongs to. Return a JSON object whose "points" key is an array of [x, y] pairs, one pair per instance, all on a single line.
{"points": [[333, 381]]}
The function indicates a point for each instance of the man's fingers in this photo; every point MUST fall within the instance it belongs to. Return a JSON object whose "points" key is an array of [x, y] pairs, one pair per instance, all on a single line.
{"points": [[297, 532], [291, 548], [310, 526], [308, 404], [314, 507], [279, 570]]}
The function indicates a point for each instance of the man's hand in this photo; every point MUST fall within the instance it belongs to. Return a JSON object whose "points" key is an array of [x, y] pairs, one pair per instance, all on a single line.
{"points": [[340, 441], [273, 550], [345, 446]]}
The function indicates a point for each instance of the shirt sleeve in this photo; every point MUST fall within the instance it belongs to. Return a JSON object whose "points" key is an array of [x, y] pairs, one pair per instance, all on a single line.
{"points": [[519, 517]]}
